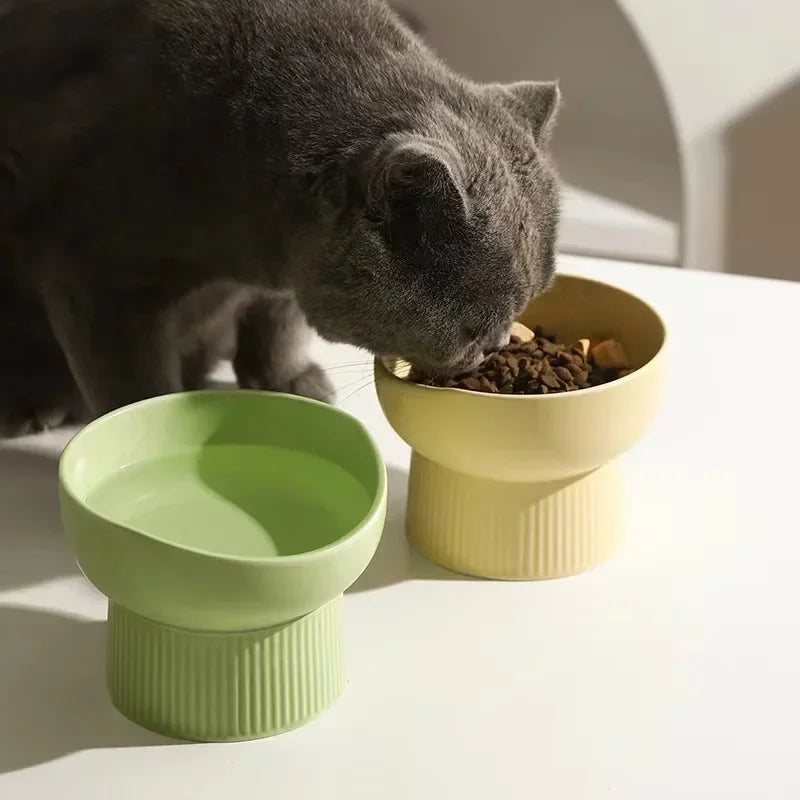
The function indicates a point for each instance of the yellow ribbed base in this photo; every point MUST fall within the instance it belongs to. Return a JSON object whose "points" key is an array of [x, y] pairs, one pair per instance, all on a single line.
{"points": [[514, 531]]}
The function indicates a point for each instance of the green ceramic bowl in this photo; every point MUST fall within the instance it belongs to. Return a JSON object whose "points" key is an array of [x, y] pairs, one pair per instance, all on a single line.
{"points": [[223, 527]]}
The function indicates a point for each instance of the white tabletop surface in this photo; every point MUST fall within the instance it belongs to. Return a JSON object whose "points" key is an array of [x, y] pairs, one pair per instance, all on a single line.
{"points": [[671, 672]]}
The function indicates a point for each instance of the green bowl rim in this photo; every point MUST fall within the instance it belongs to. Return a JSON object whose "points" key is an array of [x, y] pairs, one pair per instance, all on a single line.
{"points": [[375, 510], [384, 371]]}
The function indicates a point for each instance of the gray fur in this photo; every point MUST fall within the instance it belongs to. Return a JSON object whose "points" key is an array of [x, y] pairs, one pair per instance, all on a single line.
{"points": [[188, 180]]}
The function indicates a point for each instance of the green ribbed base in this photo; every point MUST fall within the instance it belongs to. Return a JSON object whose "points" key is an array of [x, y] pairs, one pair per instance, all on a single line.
{"points": [[216, 687]]}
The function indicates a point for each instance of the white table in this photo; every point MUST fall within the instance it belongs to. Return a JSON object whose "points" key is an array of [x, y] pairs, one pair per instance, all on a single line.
{"points": [[671, 672]]}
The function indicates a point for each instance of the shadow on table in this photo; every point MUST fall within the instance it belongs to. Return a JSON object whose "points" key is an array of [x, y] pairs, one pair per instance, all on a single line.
{"points": [[52, 670], [32, 544], [396, 560]]}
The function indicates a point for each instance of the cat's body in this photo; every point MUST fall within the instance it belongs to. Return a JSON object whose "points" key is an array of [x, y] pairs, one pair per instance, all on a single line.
{"points": [[189, 180]]}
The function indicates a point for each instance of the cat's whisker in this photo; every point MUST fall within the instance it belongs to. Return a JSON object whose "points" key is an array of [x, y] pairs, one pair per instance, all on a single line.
{"points": [[361, 363], [349, 368], [347, 385], [338, 370], [366, 384], [349, 371], [342, 381]]}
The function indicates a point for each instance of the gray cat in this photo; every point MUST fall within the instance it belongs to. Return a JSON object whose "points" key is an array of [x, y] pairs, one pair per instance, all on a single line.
{"points": [[188, 180]]}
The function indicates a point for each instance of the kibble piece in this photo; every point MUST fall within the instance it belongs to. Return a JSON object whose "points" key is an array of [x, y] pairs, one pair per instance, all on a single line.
{"points": [[574, 369], [550, 379], [610, 354], [521, 332], [585, 345], [566, 358], [473, 384]]}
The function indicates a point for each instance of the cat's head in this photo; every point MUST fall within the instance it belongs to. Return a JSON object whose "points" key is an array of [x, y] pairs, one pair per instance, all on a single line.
{"points": [[446, 233]]}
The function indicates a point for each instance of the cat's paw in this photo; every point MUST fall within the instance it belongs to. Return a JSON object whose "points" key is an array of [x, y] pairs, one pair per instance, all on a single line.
{"points": [[312, 382], [27, 408], [20, 420]]}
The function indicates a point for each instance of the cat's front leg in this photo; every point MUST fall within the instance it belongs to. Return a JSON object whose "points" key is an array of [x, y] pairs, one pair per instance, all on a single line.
{"points": [[117, 349], [272, 350]]}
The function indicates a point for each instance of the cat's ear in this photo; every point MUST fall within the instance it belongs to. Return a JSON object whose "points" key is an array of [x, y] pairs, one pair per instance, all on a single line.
{"points": [[536, 102], [416, 185]]}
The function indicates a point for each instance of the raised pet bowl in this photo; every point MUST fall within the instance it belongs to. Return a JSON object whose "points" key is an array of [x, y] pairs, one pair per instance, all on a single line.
{"points": [[223, 527], [525, 487]]}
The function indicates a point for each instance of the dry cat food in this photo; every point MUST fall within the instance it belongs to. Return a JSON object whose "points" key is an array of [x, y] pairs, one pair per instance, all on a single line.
{"points": [[533, 363]]}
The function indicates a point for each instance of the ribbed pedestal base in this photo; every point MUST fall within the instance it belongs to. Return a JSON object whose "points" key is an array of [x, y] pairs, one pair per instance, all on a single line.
{"points": [[215, 687], [514, 531]]}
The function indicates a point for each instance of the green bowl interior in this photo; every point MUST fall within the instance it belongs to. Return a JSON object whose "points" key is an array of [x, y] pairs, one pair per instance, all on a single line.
{"points": [[228, 473]]}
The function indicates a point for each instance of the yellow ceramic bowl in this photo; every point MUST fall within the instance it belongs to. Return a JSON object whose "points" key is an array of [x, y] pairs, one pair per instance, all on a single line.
{"points": [[524, 487]]}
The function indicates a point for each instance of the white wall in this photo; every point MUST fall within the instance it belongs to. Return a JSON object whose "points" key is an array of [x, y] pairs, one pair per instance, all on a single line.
{"points": [[718, 58], [719, 61]]}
